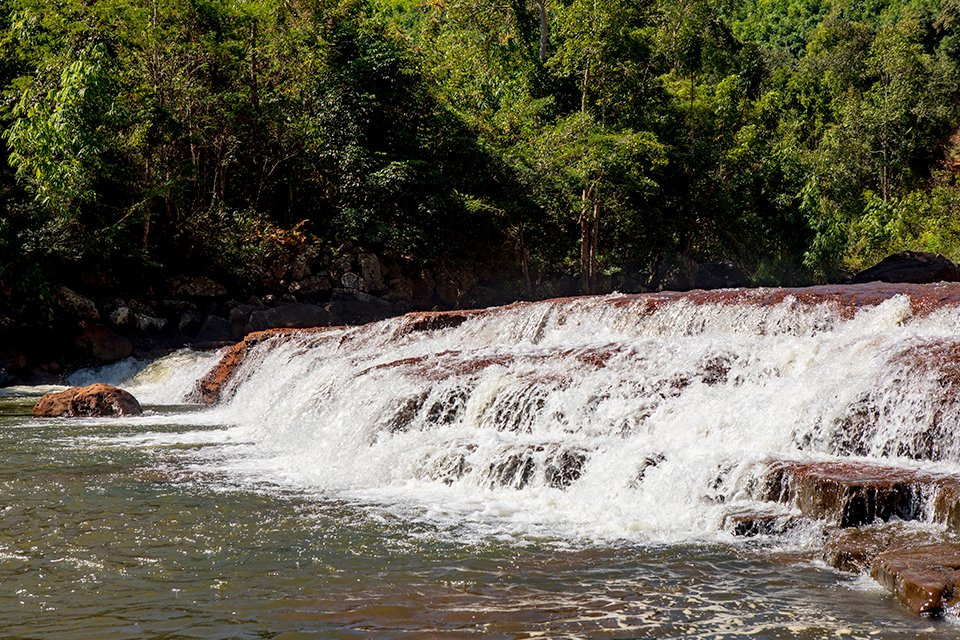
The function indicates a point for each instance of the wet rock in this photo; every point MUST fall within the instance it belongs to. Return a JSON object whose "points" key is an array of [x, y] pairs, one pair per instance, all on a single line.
{"points": [[76, 305], [645, 465], [210, 388], [855, 549], [431, 321], [103, 343], [195, 287], [847, 494], [402, 417], [448, 466], [946, 503], [564, 468], [514, 471], [751, 522], [910, 266], [925, 578], [96, 400]]}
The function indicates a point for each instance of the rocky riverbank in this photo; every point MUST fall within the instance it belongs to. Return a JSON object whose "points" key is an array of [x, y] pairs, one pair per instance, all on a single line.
{"points": [[88, 324]]}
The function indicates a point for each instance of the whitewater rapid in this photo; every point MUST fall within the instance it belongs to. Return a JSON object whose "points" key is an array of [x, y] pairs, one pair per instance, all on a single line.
{"points": [[590, 418]]}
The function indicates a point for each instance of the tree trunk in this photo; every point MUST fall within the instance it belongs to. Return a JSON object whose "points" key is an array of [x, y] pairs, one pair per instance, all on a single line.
{"points": [[544, 29], [586, 84], [594, 242], [525, 261], [585, 240]]}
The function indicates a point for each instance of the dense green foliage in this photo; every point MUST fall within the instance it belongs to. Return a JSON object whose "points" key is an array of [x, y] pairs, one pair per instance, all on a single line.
{"points": [[797, 138]]}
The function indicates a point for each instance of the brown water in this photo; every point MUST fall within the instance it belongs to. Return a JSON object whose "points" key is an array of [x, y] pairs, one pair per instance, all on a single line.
{"points": [[100, 538]]}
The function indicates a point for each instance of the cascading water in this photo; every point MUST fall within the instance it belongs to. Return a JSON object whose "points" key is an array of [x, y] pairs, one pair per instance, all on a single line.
{"points": [[593, 418], [581, 468]]}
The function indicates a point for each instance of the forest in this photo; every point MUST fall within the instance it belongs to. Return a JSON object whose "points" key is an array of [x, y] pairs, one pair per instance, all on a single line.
{"points": [[797, 139]]}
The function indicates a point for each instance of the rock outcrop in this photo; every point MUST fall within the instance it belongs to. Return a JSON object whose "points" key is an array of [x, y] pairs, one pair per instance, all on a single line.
{"points": [[865, 510], [93, 401], [210, 388], [916, 267]]}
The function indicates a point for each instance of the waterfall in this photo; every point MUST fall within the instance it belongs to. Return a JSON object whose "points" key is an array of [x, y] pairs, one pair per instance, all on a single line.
{"points": [[614, 416]]}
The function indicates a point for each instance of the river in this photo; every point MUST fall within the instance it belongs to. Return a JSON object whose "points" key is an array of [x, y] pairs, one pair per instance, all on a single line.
{"points": [[550, 470]]}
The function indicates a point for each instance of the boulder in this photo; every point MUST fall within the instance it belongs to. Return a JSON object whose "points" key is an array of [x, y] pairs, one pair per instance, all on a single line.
{"points": [[672, 272], [96, 400], [296, 315], [309, 286], [353, 281], [422, 291], [103, 343], [371, 272], [195, 287], [910, 266], [400, 289], [75, 304], [719, 275], [189, 322], [359, 307], [127, 318], [214, 329]]}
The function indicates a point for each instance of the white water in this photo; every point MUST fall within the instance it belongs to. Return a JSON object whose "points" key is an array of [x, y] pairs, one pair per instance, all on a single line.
{"points": [[168, 380], [582, 418]]}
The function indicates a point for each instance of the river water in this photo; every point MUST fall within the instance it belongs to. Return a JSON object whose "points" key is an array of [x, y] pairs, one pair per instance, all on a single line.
{"points": [[375, 482]]}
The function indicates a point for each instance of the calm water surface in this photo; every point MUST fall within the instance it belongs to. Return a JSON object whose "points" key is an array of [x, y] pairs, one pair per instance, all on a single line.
{"points": [[100, 538]]}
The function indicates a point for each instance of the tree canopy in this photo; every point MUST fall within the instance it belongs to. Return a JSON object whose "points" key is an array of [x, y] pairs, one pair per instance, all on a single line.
{"points": [[796, 138]]}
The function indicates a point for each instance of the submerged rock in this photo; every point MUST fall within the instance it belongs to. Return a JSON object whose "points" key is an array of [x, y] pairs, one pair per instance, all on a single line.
{"points": [[856, 549], [925, 578], [95, 400]]}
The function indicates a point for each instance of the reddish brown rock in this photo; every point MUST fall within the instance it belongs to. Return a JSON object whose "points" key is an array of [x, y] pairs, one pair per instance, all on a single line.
{"points": [[925, 578], [93, 401], [848, 494], [855, 549], [210, 388], [103, 343], [432, 321]]}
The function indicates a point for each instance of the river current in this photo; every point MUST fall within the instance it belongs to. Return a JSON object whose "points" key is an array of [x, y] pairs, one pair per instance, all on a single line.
{"points": [[557, 470]]}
